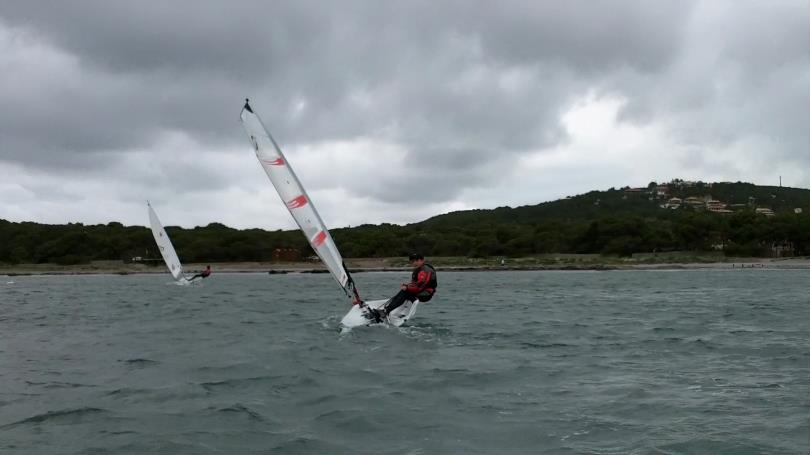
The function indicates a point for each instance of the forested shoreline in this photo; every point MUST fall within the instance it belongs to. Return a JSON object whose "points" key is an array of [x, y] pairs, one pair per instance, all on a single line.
{"points": [[759, 222]]}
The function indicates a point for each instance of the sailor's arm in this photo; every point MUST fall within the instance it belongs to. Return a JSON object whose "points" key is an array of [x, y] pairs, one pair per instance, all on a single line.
{"points": [[422, 280]]}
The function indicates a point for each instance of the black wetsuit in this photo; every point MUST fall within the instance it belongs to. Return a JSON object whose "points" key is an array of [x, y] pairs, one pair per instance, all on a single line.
{"points": [[203, 274]]}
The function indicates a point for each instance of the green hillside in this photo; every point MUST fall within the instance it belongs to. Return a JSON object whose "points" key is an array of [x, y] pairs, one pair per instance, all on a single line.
{"points": [[735, 218], [625, 201]]}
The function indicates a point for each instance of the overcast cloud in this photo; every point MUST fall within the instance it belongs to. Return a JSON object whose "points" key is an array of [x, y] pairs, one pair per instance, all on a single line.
{"points": [[390, 112]]}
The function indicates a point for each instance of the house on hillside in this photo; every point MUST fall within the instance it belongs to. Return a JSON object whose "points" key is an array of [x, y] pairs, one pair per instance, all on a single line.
{"points": [[765, 211], [717, 207], [634, 192], [695, 202], [673, 203], [286, 254]]}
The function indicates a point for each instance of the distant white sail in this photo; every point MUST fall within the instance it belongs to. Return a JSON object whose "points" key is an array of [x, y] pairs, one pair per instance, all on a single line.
{"points": [[292, 193], [165, 245]]}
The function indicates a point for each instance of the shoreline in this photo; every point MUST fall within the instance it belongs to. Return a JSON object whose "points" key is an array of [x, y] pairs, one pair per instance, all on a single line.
{"points": [[388, 265]]}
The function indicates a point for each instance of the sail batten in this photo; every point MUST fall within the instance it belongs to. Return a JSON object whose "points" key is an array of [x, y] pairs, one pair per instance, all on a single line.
{"points": [[295, 198]]}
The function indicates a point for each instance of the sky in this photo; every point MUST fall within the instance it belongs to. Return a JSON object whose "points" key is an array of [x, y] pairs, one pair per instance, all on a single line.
{"points": [[390, 112]]}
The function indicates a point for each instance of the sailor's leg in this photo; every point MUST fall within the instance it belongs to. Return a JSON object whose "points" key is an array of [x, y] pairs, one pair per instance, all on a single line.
{"points": [[392, 304], [397, 301]]}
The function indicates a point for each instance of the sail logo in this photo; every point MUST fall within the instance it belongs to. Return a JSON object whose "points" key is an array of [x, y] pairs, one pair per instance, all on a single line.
{"points": [[298, 202], [276, 162], [318, 240]]}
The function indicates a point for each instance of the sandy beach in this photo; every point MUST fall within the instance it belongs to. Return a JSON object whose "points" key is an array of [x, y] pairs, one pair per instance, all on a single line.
{"points": [[359, 265]]}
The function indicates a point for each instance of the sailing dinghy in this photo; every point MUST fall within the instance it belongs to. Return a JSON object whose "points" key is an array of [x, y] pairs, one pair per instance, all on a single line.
{"points": [[302, 209], [166, 248]]}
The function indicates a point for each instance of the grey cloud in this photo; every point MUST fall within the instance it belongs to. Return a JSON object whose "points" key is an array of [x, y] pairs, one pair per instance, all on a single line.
{"points": [[591, 37], [188, 60], [743, 75], [434, 175], [461, 86]]}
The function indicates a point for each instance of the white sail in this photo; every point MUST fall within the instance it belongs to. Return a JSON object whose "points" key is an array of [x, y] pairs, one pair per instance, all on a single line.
{"points": [[292, 193], [165, 245]]}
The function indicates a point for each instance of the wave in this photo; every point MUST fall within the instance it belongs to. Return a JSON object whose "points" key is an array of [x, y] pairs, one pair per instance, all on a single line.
{"points": [[347, 419], [126, 392], [59, 384], [303, 444], [663, 329], [241, 409], [139, 362], [56, 416], [714, 445], [240, 382], [701, 342], [720, 383]]}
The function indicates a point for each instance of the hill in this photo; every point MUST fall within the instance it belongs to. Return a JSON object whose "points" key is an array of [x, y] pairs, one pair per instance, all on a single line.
{"points": [[735, 218], [644, 202]]}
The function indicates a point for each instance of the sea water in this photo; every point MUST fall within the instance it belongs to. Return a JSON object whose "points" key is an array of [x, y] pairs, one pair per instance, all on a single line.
{"points": [[611, 362]]}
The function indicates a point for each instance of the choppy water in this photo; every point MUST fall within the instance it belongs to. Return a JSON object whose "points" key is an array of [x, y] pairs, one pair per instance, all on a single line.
{"points": [[515, 362]]}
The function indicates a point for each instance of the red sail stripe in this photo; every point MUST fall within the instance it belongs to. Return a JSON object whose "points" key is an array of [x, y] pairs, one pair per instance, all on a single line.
{"points": [[298, 202], [319, 239], [276, 162]]}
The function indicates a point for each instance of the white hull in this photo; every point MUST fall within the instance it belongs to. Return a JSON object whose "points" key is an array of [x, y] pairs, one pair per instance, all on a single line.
{"points": [[356, 317]]}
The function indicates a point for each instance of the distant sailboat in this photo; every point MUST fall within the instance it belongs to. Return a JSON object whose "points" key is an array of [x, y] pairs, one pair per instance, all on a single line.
{"points": [[165, 247], [301, 208]]}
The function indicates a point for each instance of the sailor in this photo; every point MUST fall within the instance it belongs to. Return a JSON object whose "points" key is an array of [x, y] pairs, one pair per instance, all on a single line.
{"points": [[422, 287], [203, 274]]}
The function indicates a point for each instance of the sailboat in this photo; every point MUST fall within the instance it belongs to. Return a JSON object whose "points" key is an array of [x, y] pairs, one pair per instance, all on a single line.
{"points": [[166, 248], [302, 209]]}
